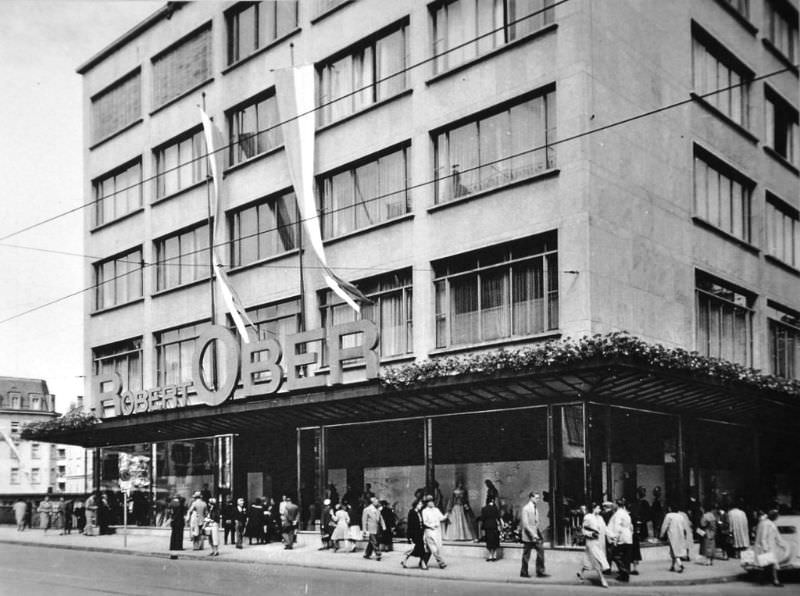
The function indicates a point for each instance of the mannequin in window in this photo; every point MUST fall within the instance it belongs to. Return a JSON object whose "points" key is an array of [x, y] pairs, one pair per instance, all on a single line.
{"points": [[460, 516]]}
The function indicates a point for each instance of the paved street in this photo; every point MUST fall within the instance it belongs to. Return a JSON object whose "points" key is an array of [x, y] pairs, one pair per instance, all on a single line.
{"points": [[39, 570]]}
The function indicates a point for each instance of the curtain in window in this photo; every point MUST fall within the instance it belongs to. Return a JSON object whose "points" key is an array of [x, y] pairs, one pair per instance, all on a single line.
{"points": [[464, 321], [248, 236], [391, 60], [391, 186], [489, 25], [494, 148], [339, 82], [267, 119], [284, 210], [367, 205], [494, 304], [363, 81], [527, 298], [392, 324], [463, 160]]}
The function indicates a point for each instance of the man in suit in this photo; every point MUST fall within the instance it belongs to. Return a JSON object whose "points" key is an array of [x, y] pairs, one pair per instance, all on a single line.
{"points": [[372, 523], [289, 522], [240, 520], [532, 537]]}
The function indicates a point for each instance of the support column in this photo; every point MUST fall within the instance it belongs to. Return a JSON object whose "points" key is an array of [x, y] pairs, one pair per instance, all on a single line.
{"points": [[609, 488], [322, 464], [755, 476], [683, 474], [298, 496], [429, 466], [587, 455]]}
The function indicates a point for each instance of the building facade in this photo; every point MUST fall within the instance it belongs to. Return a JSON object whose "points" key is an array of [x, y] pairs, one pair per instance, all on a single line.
{"points": [[492, 176]]}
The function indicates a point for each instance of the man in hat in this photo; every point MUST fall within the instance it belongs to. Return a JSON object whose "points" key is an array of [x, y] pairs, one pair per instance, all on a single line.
{"points": [[195, 516], [289, 519], [372, 523], [532, 536], [326, 524]]}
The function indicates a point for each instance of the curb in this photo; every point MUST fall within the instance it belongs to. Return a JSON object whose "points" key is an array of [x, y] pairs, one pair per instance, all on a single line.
{"points": [[383, 570]]}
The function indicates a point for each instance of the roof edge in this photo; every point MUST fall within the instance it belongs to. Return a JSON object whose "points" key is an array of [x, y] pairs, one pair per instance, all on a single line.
{"points": [[165, 11]]}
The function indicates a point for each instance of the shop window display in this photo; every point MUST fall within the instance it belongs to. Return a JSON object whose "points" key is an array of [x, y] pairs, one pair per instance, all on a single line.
{"points": [[501, 454], [721, 462]]}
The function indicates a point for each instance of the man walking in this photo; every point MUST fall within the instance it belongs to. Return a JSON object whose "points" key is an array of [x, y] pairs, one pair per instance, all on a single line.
{"points": [[289, 522], [620, 531], [432, 519], [532, 536], [20, 509], [372, 523], [240, 521]]}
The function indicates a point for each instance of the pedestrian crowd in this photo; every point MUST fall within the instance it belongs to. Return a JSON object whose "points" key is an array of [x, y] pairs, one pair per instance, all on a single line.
{"points": [[88, 516]]}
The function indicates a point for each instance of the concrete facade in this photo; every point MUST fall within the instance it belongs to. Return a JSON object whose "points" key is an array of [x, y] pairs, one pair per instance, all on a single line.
{"points": [[621, 199]]}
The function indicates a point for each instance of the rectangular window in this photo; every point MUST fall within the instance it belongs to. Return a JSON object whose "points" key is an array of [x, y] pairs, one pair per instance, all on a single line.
{"points": [[118, 193], [724, 321], [182, 67], [62, 453], [364, 195], [253, 25], [782, 127], [740, 6], [36, 451], [496, 149], [783, 231], [499, 292], [181, 164], [391, 311], [182, 258], [718, 76], [263, 230], [14, 476], [372, 72], [253, 129], [116, 107], [14, 429], [721, 195], [323, 6], [274, 321], [123, 357], [118, 280], [62, 470], [784, 341], [174, 352], [465, 29], [35, 476], [16, 401], [782, 27]]}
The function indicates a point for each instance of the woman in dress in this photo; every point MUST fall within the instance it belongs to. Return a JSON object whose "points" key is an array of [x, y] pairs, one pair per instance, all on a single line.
{"points": [[414, 532], [593, 529], [342, 530], [674, 532], [255, 521], [211, 527], [491, 523], [708, 534], [177, 513], [460, 516]]}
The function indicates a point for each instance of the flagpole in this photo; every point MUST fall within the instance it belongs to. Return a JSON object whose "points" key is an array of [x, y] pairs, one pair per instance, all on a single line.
{"points": [[302, 281], [213, 352]]}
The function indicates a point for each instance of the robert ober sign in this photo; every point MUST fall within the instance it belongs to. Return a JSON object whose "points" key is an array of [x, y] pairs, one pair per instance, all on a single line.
{"points": [[246, 362]]}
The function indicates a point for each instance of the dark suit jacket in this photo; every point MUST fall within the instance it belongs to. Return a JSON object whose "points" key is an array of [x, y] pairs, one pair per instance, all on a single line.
{"points": [[414, 528]]}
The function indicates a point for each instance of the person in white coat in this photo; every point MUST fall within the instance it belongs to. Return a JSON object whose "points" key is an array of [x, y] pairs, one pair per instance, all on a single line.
{"points": [[674, 532], [620, 532], [594, 553], [432, 519]]}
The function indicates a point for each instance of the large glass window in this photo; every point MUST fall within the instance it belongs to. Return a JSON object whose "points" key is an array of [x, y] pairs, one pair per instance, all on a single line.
{"points": [[503, 454], [464, 29], [782, 127], [719, 74], [783, 231], [182, 67], [496, 149], [503, 291], [263, 230], [118, 280], [118, 193], [174, 352], [273, 321], [721, 195], [123, 357], [180, 164], [253, 25], [724, 321], [369, 73], [253, 128], [784, 341], [390, 311], [781, 27], [182, 258], [116, 107], [366, 194]]}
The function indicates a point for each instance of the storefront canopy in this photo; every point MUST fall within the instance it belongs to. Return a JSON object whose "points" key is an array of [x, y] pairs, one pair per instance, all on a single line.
{"points": [[619, 383]]}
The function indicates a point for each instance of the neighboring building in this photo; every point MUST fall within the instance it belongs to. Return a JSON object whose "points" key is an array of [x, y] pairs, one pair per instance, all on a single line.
{"points": [[25, 466], [483, 197]]}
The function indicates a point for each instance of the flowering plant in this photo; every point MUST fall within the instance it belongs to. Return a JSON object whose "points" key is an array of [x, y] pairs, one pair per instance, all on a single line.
{"points": [[74, 420], [617, 347]]}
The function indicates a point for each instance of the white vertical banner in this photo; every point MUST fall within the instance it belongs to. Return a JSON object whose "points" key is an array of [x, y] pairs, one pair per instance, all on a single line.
{"points": [[234, 306], [296, 110]]}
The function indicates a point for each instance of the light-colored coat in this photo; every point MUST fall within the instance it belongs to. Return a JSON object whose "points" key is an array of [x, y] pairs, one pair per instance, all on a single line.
{"points": [[372, 520], [529, 522], [674, 530], [737, 521], [620, 529]]}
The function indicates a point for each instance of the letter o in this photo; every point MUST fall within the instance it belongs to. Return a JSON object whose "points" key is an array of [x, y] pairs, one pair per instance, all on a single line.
{"points": [[127, 404], [230, 364]]}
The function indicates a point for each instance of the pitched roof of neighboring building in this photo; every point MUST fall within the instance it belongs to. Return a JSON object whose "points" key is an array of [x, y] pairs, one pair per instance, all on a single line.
{"points": [[23, 385]]}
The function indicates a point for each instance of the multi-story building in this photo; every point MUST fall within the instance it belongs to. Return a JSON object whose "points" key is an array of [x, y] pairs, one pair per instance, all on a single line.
{"points": [[25, 466], [493, 176]]}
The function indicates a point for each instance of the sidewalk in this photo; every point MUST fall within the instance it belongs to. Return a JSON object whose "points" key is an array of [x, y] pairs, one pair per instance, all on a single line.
{"points": [[561, 569]]}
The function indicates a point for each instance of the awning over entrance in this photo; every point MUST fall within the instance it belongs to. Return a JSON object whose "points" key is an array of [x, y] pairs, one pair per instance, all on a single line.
{"points": [[619, 383]]}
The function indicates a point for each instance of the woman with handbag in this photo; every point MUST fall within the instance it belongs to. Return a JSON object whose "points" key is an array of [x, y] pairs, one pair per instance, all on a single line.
{"points": [[593, 530], [769, 546]]}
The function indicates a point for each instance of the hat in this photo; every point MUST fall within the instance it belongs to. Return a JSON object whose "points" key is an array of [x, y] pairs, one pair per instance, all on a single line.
{"points": [[197, 495], [427, 498], [608, 504], [326, 502], [212, 500]]}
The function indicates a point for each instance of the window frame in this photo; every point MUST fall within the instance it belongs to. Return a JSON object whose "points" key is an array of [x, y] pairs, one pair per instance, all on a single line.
{"points": [[327, 104], [162, 280], [774, 10], [97, 138], [791, 245], [205, 28], [326, 191], [100, 284], [452, 178], [160, 345], [123, 349], [507, 264], [273, 133], [777, 323], [138, 187], [235, 237], [789, 125], [197, 164], [233, 25], [748, 309]]}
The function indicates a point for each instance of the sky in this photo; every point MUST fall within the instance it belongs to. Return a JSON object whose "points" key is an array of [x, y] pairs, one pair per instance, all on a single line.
{"points": [[41, 166]]}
